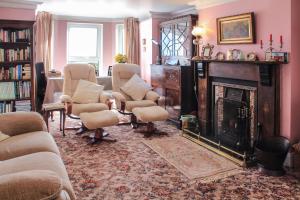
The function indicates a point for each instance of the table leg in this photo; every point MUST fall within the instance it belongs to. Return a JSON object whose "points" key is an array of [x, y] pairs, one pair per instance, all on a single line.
{"points": [[63, 122], [46, 117]]}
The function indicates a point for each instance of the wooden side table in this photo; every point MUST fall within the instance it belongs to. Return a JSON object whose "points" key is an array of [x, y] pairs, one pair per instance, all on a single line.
{"points": [[48, 110]]}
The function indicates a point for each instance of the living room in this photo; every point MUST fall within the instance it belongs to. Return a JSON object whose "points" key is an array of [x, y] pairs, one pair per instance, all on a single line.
{"points": [[185, 99]]}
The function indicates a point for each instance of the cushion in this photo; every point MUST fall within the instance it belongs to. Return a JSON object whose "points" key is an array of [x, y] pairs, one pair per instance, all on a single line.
{"points": [[27, 143], [28, 185], [87, 92], [38, 161], [3, 136], [143, 103], [91, 107], [99, 119], [136, 88], [151, 114]]}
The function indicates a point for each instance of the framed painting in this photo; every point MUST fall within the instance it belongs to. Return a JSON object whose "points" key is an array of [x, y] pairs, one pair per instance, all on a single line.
{"points": [[238, 29]]}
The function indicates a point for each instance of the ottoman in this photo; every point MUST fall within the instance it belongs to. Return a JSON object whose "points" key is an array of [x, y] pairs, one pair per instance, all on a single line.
{"points": [[97, 121], [148, 115]]}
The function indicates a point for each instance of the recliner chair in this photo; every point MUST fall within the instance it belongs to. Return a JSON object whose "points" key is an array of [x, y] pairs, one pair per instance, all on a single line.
{"points": [[121, 73], [72, 74]]}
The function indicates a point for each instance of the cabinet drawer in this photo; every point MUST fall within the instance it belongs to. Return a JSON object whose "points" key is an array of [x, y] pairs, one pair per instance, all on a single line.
{"points": [[172, 78]]}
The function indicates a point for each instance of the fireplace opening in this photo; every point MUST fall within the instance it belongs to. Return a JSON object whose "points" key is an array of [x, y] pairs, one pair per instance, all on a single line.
{"points": [[234, 116]]}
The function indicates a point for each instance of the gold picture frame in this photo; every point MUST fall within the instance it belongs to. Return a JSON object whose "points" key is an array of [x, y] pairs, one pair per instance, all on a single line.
{"points": [[207, 51], [237, 29]]}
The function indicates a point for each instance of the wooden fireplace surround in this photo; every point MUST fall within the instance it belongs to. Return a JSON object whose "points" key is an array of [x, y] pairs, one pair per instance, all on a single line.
{"points": [[266, 75]]}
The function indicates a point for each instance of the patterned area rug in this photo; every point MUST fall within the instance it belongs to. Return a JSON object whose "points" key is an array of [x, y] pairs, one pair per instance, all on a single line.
{"points": [[129, 169], [191, 159]]}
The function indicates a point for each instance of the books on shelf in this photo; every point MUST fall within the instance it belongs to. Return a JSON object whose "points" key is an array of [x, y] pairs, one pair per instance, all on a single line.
{"points": [[18, 54], [23, 105], [18, 72], [13, 35], [6, 107], [15, 90]]}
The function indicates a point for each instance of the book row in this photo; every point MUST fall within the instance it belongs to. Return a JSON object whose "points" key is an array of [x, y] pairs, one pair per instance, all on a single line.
{"points": [[11, 106], [15, 90], [10, 55], [18, 72], [14, 35]]}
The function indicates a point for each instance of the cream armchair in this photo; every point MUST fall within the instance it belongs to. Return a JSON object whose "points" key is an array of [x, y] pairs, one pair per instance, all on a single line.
{"points": [[121, 73], [72, 74]]}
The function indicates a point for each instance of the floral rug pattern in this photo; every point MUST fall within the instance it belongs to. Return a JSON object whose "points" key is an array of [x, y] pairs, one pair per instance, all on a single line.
{"points": [[128, 169]]}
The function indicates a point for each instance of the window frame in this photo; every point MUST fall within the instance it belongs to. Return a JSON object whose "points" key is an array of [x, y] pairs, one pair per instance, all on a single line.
{"points": [[99, 47], [117, 38]]}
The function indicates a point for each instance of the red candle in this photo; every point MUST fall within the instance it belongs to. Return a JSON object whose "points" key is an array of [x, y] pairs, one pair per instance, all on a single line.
{"points": [[261, 43], [271, 37], [281, 40]]}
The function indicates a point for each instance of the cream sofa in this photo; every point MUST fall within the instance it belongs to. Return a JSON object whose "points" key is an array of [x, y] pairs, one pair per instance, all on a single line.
{"points": [[30, 163]]}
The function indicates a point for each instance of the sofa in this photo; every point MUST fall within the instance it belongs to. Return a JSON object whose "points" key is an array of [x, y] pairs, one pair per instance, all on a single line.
{"points": [[30, 163]]}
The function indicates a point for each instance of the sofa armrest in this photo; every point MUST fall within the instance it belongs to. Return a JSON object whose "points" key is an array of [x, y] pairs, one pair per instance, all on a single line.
{"points": [[16, 123], [120, 99], [104, 97], [27, 185], [153, 96], [65, 99]]}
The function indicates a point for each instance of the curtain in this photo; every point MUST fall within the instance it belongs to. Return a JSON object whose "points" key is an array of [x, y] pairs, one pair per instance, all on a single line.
{"points": [[43, 39], [131, 27]]}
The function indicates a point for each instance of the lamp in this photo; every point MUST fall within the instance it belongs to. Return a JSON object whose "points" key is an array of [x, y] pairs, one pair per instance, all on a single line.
{"points": [[158, 58], [197, 31]]}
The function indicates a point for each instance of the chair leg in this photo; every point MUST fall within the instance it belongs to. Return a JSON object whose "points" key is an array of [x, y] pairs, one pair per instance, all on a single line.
{"points": [[100, 136], [81, 130]]}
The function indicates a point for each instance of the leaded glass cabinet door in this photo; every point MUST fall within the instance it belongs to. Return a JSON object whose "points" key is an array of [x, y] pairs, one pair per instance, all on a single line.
{"points": [[182, 39], [167, 41]]}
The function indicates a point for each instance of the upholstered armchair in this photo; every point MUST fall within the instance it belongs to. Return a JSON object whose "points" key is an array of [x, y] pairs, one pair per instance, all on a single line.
{"points": [[73, 73], [121, 73]]}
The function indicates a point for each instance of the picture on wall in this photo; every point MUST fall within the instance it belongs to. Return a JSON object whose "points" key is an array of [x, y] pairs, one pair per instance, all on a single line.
{"points": [[238, 29]]}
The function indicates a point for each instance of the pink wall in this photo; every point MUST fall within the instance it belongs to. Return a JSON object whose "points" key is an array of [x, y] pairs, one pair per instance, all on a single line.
{"points": [[60, 44], [295, 64], [272, 16], [17, 14], [149, 29], [146, 49]]}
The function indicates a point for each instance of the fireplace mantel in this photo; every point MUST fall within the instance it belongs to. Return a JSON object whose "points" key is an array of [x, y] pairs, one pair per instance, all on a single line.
{"points": [[262, 75]]}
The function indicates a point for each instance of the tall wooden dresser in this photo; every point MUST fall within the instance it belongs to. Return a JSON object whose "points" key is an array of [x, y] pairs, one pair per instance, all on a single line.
{"points": [[176, 86], [175, 82]]}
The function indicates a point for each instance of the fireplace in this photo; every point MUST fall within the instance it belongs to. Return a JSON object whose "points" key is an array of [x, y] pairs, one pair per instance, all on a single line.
{"points": [[234, 119], [237, 102]]}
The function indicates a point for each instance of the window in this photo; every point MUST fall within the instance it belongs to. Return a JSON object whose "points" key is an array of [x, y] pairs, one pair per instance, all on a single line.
{"points": [[85, 44], [120, 42]]}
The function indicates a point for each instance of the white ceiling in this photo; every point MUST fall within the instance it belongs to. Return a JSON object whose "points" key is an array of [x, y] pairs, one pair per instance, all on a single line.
{"points": [[112, 9]]}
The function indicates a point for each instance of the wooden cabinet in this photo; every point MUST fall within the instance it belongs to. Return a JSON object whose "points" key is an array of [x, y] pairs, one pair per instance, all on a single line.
{"points": [[176, 86]]}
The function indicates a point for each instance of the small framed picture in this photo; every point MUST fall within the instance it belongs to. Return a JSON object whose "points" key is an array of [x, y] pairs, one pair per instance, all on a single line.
{"points": [[220, 56], [268, 56], [207, 51], [280, 56]]}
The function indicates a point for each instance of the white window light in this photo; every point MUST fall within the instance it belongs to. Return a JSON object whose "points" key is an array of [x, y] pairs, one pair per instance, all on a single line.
{"points": [[120, 40], [85, 44]]}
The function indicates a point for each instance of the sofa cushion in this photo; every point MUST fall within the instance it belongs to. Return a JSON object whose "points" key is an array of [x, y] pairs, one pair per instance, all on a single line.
{"points": [[143, 103], [87, 92], [91, 107], [3, 136], [136, 88], [38, 161], [27, 143], [28, 185]]}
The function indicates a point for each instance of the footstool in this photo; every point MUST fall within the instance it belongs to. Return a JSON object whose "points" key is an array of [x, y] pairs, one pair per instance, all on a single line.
{"points": [[97, 121], [148, 115]]}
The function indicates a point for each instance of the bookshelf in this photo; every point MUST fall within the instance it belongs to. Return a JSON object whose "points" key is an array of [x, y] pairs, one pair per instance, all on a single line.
{"points": [[16, 66]]}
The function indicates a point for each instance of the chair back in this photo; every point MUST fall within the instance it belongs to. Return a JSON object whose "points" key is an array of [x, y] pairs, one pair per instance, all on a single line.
{"points": [[41, 84], [73, 73], [121, 73]]}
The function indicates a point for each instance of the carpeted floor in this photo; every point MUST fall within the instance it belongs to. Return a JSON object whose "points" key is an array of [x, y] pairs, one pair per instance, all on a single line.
{"points": [[128, 169]]}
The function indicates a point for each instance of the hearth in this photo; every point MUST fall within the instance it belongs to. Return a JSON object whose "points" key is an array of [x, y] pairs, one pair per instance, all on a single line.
{"points": [[234, 116], [237, 101]]}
